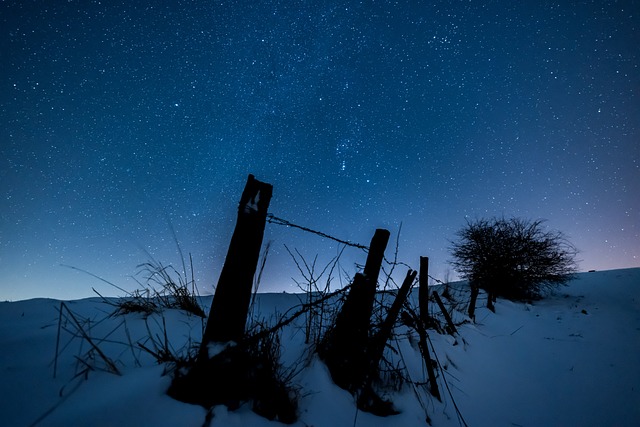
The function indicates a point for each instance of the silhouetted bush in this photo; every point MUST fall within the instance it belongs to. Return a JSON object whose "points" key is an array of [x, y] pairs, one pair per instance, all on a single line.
{"points": [[512, 258]]}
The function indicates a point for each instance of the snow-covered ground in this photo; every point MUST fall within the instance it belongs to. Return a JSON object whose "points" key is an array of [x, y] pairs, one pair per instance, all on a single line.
{"points": [[570, 360]]}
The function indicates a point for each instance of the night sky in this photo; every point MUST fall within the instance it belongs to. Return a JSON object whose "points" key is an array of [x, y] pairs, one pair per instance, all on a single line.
{"points": [[121, 121]]}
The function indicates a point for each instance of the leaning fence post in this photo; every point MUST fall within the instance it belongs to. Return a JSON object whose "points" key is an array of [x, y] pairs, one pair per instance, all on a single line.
{"points": [[230, 306], [451, 328], [379, 341]]}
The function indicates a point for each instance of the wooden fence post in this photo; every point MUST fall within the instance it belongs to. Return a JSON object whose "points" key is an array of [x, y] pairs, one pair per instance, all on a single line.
{"points": [[376, 255], [423, 291], [344, 349], [230, 306], [223, 378]]}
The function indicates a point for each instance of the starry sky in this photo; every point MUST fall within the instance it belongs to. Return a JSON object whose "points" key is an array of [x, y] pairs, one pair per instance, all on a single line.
{"points": [[125, 123]]}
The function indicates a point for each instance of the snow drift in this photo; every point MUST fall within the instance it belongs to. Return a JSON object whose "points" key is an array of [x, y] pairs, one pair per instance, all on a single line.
{"points": [[571, 359]]}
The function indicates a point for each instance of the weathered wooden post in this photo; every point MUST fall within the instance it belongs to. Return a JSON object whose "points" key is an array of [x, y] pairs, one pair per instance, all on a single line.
{"points": [[230, 306], [424, 323], [423, 291], [375, 256], [222, 376], [344, 349]]}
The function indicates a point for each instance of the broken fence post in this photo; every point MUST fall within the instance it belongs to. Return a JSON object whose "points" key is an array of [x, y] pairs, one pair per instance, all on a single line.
{"points": [[344, 349]]}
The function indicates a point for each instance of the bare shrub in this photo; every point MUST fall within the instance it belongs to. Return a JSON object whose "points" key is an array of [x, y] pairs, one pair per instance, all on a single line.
{"points": [[513, 258]]}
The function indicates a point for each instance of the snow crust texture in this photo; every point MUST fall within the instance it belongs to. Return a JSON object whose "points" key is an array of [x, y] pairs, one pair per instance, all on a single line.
{"points": [[572, 359]]}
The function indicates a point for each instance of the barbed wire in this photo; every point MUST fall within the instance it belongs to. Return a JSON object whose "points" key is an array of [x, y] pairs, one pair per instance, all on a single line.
{"points": [[271, 218], [436, 280]]}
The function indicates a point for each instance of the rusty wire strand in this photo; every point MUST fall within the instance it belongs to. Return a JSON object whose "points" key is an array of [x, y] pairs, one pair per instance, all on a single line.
{"points": [[271, 218]]}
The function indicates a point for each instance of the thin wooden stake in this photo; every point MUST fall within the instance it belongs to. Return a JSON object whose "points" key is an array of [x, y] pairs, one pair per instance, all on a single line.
{"points": [[423, 291], [424, 349]]}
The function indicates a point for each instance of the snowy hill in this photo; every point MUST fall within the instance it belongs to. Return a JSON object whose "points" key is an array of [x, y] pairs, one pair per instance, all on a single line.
{"points": [[572, 359]]}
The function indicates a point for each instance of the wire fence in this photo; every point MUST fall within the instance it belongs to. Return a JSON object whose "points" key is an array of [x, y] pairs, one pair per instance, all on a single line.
{"points": [[272, 219]]}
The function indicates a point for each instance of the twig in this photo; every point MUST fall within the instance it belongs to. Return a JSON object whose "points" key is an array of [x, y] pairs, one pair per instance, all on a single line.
{"points": [[55, 360], [516, 330], [109, 363], [97, 277]]}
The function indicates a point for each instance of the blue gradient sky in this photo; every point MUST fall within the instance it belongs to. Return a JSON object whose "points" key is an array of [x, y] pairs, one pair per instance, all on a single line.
{"points": [[120, 118]]}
